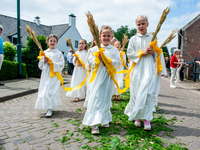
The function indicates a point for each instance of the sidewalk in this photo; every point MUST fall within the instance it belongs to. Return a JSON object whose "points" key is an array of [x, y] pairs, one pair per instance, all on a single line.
{"points": [[20, 87]]}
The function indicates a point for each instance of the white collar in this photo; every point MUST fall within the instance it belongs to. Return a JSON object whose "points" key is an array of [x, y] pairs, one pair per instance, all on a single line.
{"points": [[50, 49], [109, 46], [138, 34]]}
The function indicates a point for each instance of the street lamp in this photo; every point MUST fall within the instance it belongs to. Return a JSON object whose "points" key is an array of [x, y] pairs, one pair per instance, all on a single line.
{"points": [[19, 56]]}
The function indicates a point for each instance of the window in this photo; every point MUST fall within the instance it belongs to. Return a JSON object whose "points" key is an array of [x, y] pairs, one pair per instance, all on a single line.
{"points": [[67, 43], [14, 40], [76, 44]]}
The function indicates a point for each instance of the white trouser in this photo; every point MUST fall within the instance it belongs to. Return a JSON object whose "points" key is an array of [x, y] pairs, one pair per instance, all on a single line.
{"points": [[1, 60], [178, 74], [173, 73]]}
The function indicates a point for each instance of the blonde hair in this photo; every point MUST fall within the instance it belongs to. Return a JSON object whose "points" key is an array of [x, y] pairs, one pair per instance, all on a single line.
{"points": [[86, 47], [106, 27], [50, 36], [142, 16]]}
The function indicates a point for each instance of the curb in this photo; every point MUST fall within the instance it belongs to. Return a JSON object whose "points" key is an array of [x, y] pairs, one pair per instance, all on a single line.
{"points": [[9, 97]]}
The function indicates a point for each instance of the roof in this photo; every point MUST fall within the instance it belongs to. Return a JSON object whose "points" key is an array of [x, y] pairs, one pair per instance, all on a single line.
{"points": [[10, 28], [191, 22]]}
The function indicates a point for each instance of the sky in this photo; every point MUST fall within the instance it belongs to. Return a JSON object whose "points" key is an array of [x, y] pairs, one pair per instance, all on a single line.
{"points": [[115, 13]]}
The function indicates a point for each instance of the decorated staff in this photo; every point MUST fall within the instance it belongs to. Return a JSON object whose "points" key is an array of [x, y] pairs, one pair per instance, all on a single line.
{"points": [[170, 37], [153, 43]]}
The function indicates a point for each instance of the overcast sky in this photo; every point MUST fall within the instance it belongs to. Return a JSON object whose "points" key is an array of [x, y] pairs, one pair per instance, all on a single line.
{"points": [[107, 12]]}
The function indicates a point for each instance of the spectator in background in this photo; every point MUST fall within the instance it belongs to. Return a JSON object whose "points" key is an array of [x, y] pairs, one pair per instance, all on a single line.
{"points": [[181, 68], [167, 63], [173, 66], [1, 50], [69, 61], [72, 65]]}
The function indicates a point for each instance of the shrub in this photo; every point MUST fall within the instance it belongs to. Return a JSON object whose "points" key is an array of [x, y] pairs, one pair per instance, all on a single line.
{"points": [[10, 70], [9, 51], [30, 53]]}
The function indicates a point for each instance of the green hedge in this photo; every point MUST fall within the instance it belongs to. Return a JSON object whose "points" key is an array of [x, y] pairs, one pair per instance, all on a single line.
{"points": [[9, 70]]}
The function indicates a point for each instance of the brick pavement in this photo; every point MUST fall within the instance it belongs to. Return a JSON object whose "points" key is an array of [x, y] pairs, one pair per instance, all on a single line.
{"points": [[23, 127]]}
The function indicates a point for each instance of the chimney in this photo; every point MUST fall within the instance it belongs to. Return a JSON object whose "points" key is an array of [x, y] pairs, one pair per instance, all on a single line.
{"points": [[72, 20], [37, 20]]}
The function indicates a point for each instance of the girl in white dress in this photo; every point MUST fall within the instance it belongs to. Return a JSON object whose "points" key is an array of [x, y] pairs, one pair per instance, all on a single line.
{"points": [[119, 77], [98, 108], [143, 75], [79, 72], [48, 93]]}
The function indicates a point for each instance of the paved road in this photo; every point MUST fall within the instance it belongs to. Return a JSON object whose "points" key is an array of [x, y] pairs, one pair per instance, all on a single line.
{"points": [[23, 127]]}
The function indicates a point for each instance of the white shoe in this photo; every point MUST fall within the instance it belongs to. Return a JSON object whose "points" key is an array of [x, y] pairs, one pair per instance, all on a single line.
{"points": [[105, 125], [176, 81], [172, 86], [95, 129], [147, 125], [138, 123], [49, 113]]}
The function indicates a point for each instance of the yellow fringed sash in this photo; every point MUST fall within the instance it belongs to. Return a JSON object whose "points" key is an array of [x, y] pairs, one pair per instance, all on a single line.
{"points": [[122, 60], [52, 73], [110, 68], [159, 52]]}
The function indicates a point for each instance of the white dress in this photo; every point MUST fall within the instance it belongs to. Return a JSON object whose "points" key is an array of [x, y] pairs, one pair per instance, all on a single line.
{"points": [[98, 108], [119, 77], [157, 83], [141, 79], [78, 76], [48, 93], [88, 79]]}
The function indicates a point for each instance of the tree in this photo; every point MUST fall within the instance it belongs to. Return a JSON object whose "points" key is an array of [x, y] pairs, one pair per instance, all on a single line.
{"points": [[30, 53], [165, 51], [119, 33], [9, 51]]}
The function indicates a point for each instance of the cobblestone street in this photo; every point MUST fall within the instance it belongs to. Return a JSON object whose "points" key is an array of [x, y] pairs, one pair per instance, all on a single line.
{"points": [[23, 127]]}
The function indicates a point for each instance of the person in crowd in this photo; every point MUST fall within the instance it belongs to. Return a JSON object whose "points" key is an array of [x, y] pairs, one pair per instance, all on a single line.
{"points": [[79, 73], [173, 67], [48, 93], [143, 76], [167, 64], [98, 107], [1, 49]]}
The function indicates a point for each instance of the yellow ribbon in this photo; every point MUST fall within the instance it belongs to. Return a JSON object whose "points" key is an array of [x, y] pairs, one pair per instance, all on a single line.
{"points": [[52, 73], [50, 63], [122, 60], [110, 68], [159, 52], [79, 61]]}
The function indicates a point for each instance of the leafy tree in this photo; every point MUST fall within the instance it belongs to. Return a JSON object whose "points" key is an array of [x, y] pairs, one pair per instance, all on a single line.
{"points": [[119, 33], [30, 53], [165, 51], [9, 51]]}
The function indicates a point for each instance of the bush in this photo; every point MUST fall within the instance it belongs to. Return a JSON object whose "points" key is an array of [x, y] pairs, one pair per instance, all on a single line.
{"points": [[30, 53], [9, 51], [10, 70]]}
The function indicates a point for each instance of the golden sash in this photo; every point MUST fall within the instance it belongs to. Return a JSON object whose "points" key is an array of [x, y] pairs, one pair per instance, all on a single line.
{"points": [[52, 73]]}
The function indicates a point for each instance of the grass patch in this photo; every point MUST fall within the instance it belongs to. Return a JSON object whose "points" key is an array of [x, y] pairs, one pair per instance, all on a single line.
{"points": [[122, 134]]}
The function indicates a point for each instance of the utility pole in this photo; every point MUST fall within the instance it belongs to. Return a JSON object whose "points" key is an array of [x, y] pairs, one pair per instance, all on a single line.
{"points": [[19, 55]]}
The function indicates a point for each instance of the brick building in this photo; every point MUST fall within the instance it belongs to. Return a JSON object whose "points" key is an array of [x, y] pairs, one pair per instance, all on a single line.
{"points": [[189, 40]]}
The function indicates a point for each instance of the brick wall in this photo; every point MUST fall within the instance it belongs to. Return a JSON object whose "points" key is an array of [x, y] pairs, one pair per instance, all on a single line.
{"points": [[191, 42]]}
